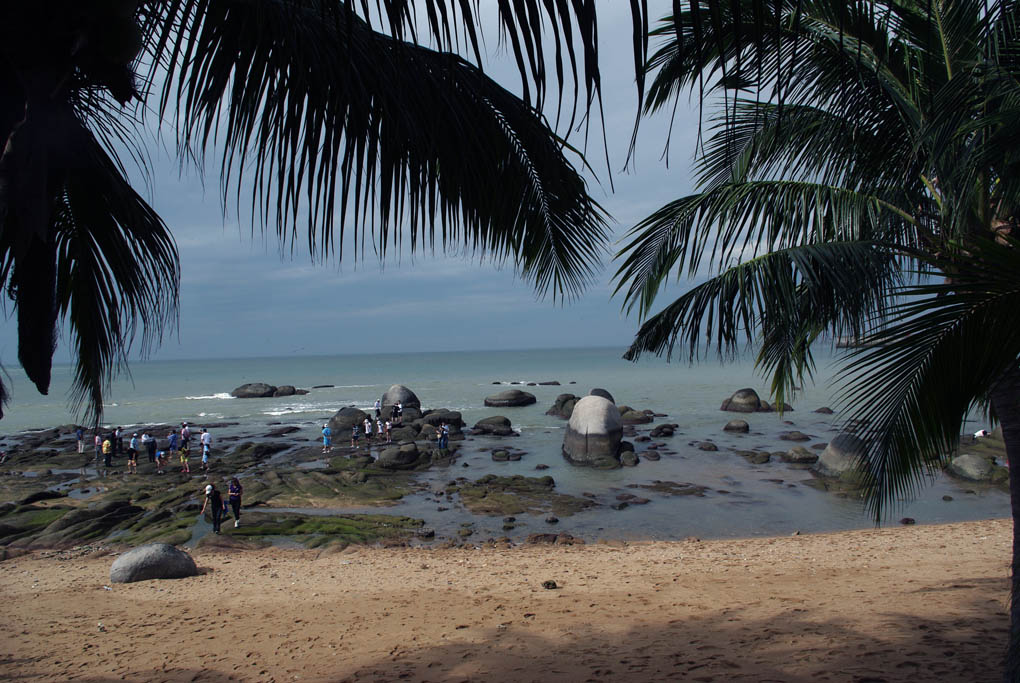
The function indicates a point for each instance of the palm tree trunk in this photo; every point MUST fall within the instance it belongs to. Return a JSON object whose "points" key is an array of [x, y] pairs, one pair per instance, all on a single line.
{"points": [[1005, 397]]}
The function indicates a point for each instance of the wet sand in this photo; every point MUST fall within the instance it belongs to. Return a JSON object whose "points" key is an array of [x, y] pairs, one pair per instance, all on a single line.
{"points": [[918, 603]]}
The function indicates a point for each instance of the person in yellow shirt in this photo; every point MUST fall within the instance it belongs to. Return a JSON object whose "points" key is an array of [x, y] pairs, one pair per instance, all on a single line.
{"points": [[107, 453]]}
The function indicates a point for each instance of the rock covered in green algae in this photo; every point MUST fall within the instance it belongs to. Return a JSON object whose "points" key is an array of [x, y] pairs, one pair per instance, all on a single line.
{"points": [[494, 495], [316, 530]]}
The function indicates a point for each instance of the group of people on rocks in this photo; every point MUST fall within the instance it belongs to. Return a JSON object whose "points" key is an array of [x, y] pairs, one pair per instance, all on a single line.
{"points": [[381, 430], [111, 444]]}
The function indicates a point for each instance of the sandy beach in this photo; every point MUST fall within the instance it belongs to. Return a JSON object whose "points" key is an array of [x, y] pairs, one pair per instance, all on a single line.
{"points": [[914, 603]]}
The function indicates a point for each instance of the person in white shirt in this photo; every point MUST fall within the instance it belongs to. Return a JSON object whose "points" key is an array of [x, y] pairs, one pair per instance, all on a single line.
{"points": [[206, 441]]}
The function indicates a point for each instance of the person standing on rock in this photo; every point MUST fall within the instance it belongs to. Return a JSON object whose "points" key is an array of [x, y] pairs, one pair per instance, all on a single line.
{"points": [[206, 441], [354, 436], [117, 442], [172, 443], [400, 413], [444, 435], [132, 466], [214, 500], [327, 438], [389, 426], [150, 446], [79, 434], [107, 452], [378, 408], [98, 442], [368, 431], [185, 436], [379, 429], [234, 491], [393, 413]]}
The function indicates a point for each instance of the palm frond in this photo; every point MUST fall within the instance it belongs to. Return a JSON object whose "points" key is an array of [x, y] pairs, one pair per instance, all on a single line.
{"points": [[912, 385], [332, 120]]}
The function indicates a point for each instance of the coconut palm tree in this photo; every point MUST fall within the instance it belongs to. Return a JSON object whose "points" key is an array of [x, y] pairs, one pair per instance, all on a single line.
{"points": [[859, 179], [343, 116]]}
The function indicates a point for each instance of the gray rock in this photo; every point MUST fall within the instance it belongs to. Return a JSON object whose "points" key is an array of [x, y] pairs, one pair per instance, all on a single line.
{"points": [[977, 468], [628, 459], [497, 425], [594, 433], [794, 436], [824, 410], [634, 417], [399, 457], [737, 426], [742, 401], [510, 398], [552, 383], [254, 390], [500, 456], [707, 446], [839, 459], [403, 433], [398, 393], [152, 561], [285, 390], [800, 455], [344, 419], [563, 406], [603, 393], [450, 417]]}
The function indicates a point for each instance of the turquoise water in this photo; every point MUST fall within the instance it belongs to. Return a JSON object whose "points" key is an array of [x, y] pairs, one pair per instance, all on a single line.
{"points": [[744, 499]]}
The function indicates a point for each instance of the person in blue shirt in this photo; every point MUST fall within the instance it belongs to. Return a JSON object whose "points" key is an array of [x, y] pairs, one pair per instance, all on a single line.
{"points": [[80, 435], [172, 443], [327, 439]]}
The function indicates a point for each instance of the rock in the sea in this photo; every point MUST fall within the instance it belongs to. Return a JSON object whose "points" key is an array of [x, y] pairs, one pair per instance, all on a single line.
{"points": [[551, 383], [594, 433], [742, 401], [707, 446], [563, 406], [662, 430], [824, 410], [497, 425], [603, 393], [440, 415], [510, 398], [152, 561], [634, 417], [628, 459], [840, 457], [398, 393], [737, 426], [977, 468], [254, 390], [794, 436], [344, 419], [799, 455], [285, 390]]}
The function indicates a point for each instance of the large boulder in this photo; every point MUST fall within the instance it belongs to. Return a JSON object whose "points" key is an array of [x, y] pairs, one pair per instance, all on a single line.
{"points": [[742, 401], [977, 468], [399, 457], [509, 399], [152, 561], [840, 457], [594, 433], [344, 419], [398, 393], [737, 426], [497, 425], [254, 390], [285, 390], [603, 393], [440, 415], [563, 406]]}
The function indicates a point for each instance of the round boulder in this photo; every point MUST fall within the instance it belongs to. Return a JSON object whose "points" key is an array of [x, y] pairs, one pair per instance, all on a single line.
{"points": [[593, 434], [398, 393], [977, 468], [840, 457], [799, 455], [344, 419], [285, 390], [743, 401], [563, 406], [603, 393], [635, 417], [399, 457], [441, 415], [509, 399], [152, 561], [737, 426], [497, 425], [254, 390]]}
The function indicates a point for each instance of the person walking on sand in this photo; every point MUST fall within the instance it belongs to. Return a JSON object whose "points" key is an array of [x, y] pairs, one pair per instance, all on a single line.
{"points": [[206, 441], [327, 438], [234, 491], [214, 500], [378, 408], [79, 434]]}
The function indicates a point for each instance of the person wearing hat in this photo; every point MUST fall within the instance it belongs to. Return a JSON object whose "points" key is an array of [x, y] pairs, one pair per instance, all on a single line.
{"points": [[132, 464], [214, 500], [327, 438]]}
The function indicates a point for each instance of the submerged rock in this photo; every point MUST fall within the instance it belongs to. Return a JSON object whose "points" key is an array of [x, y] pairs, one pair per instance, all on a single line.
{"points": [[840, 457], [594, 433]]}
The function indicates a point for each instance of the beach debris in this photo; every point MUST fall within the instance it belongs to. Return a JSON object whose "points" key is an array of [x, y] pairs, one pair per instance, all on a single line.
{"points": [[101, 628], [549, 585], [552, 519], [908, 520]]}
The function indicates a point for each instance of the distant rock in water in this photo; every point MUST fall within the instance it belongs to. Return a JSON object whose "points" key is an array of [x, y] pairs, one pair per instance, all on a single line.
{"points": [[977, 468], [593, 434], [497, 425], [737, 426], [284, 390], [603, 393], [552, 383], [742, 401], [152, 561], [509, 399], [323, 386], [824, 410], [254, 390]]}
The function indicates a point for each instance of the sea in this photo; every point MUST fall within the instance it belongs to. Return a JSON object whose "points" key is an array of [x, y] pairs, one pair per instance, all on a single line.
{"points": [[741, 500]]}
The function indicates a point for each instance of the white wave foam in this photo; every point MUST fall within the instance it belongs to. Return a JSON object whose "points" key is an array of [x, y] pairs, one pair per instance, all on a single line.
{"points": [[205, 398]]}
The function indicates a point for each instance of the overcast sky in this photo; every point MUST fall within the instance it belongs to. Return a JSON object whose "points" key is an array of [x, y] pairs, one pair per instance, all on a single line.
{"points": [[240, 298]]}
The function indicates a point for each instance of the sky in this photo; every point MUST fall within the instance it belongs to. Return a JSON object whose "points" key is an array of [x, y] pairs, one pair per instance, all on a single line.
{"points": [[240, 298]]}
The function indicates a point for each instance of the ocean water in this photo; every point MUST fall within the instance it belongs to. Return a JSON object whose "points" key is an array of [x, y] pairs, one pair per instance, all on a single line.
{"points": [[743, 499]]}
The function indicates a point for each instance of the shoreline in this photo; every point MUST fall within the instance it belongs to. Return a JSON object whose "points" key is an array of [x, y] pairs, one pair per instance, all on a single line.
{"points": [[903, 603]]}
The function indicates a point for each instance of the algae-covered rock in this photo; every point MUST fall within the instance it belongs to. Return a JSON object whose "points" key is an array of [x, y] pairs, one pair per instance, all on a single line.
{"points": [[493, 495]]}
